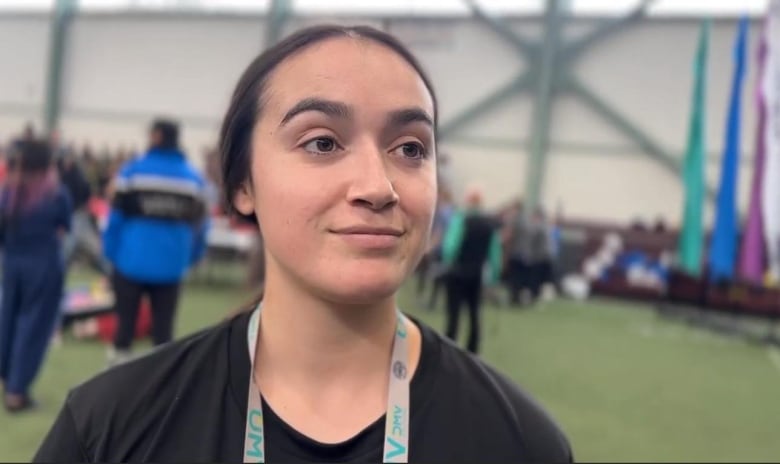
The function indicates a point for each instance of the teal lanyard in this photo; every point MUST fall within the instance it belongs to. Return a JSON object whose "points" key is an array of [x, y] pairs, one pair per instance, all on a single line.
{"points": [[396, 443]]}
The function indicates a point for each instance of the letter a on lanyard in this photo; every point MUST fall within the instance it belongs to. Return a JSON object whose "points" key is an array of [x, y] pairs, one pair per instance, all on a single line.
{"points": [[396, 444]]}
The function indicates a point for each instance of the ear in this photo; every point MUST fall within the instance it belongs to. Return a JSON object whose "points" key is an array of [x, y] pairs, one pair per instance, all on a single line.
{"points": [[244, 199]]}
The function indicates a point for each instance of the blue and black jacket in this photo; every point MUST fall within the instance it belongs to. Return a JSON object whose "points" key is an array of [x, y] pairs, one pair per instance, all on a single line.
{"points": [[159, 220]]}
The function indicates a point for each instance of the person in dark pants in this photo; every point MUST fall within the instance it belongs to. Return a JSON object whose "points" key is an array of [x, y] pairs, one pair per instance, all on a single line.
{"points": [[445, 209], [35, 214], [156, 231], [539, 254], [472, 240], [518, 272], [163, 299], [84, 237]]}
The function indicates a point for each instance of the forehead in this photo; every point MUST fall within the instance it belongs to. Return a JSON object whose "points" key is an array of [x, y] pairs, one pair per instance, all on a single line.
{"points": [[359, 72]]}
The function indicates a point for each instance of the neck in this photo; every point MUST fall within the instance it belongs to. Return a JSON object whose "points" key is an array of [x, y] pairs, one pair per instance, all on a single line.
{"points": [[323, 366], [309, 339]]}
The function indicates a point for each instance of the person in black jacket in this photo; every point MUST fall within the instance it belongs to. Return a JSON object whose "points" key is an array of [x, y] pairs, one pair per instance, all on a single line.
{"points": [[472, 253], [83, 237]]}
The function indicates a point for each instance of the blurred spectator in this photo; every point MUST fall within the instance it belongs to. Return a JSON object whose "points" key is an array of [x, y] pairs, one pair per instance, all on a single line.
{"points": [[518, 240], [638, 224], [34, 214], [105, 168], [470, 242], [156, 231], [213, 187], [90, 167], [83, 237], [122, 156], [3, 167], [29, 132], [539, 253], [27, 135], [444, 173], [660, 226], [431, 266]]}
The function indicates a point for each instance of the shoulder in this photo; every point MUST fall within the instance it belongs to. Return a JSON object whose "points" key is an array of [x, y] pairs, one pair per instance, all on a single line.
{"points": [[177, 165], [457, 220], [193, 174], [142, 390], [131, 166], [500, 403], [146, 370]]}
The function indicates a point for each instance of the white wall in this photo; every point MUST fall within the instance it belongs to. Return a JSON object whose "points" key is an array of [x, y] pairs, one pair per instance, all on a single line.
{"points": [[24, 42], [123, 70]]}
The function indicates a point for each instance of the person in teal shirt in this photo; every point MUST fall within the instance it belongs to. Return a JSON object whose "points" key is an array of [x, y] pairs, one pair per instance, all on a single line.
{"points": [[472, 253]]}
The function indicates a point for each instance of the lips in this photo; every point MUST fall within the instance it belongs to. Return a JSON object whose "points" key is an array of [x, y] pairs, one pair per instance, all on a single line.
{"points": [[368, 238], [367, 230]]}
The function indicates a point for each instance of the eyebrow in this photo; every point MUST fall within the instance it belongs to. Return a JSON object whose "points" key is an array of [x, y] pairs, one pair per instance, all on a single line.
{"points": [[327, 107], [406, 116]]}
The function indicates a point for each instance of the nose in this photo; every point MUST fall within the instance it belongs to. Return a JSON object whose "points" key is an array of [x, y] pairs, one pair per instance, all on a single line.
{"points": [[371, 186]]}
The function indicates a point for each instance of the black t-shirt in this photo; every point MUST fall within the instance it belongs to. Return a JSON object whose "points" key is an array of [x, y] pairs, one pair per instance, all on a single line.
{"points": [[187, 402]]}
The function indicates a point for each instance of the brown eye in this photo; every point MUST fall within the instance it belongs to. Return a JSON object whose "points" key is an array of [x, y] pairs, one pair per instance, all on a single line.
{"points": [[412, 151], [321, 146]]}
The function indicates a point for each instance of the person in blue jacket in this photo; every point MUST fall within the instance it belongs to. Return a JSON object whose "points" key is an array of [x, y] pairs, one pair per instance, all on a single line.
{"points": [[35, 213], [156, 231]]}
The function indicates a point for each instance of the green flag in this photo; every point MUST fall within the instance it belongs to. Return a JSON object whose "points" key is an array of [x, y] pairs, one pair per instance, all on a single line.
{"points": [[692, 233]]}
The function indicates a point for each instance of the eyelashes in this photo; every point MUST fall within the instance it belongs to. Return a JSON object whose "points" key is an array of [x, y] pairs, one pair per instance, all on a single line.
{"points": [[412, 151], [327, 145], [321, 146]]}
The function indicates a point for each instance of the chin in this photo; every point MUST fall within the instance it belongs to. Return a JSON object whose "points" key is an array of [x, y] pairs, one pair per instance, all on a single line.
{"points": [[362, 286]]}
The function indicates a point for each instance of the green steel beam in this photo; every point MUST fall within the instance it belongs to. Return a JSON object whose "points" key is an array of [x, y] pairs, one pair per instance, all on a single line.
{"points": [[623, 124], [529, 49], [545, 91], [277, 16], [550, 70], [530, 52], [62, 16], [517, 85], [575, 49], [628, 128]]}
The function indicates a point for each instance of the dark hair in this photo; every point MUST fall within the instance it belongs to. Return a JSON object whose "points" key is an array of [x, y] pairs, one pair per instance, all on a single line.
{"points": [[33, 180], [34, 157], [246, 104], [169, 133]]}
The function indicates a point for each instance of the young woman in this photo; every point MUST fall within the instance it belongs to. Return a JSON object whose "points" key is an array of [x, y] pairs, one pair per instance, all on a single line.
{"points": [[330, 143], [35, 214]]}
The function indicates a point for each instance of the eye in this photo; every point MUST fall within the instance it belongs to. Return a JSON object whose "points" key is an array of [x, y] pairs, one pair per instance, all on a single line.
{"points": [[412, 151], [321, 146]]}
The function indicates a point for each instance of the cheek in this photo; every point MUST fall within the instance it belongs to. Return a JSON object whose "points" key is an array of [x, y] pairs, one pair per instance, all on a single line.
{"points": [[422, 192], [288, 203], [418, 198]]}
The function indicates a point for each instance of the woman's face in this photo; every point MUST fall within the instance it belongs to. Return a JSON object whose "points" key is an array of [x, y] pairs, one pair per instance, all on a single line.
{"points": [[343, 170]]}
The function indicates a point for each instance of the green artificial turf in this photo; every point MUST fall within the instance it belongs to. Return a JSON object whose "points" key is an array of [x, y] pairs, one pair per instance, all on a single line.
{"points": [[623, 384]]}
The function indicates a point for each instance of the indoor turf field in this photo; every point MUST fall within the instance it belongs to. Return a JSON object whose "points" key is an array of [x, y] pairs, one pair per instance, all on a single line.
{"points": [[624, 384]]}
